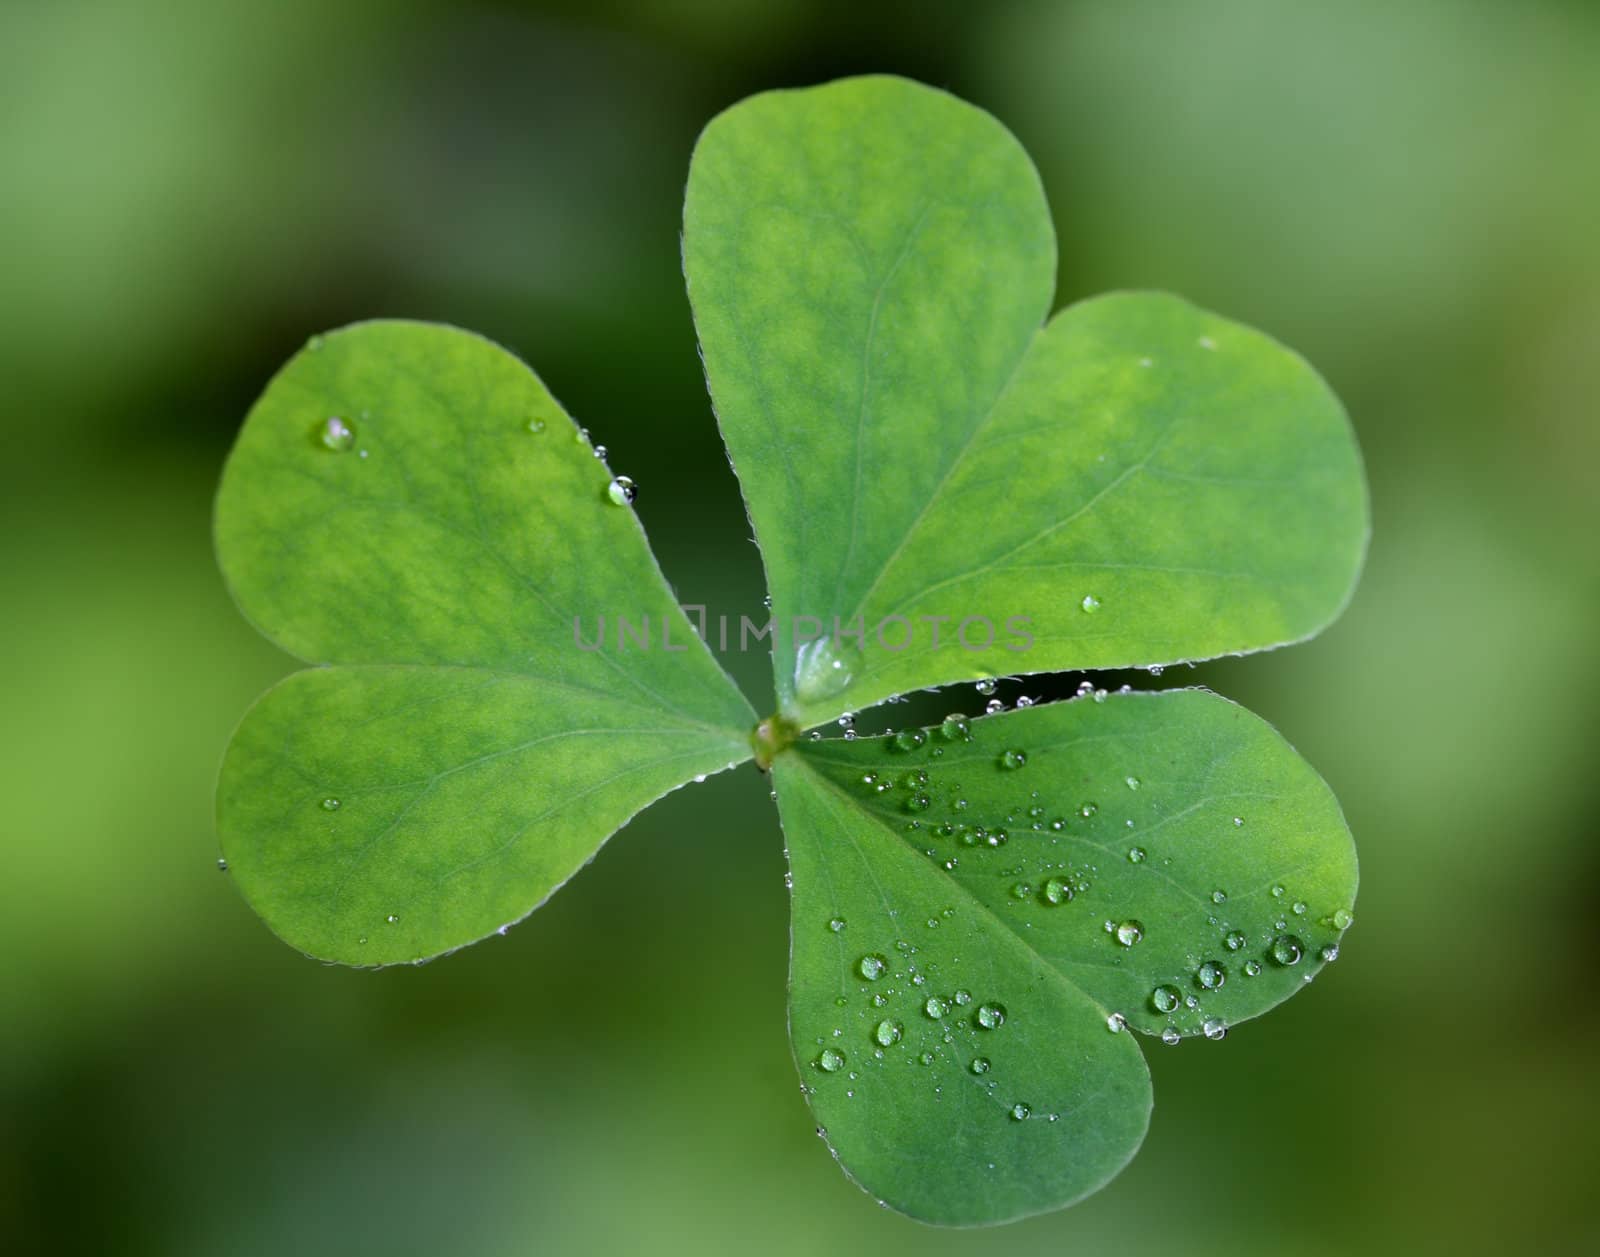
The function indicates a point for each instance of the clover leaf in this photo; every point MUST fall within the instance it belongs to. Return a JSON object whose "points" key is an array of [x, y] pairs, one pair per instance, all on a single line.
{"points": [[409, 504], [983, 910], [944, 486]]}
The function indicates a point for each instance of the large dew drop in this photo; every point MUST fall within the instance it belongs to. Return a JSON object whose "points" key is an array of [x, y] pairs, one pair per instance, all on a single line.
{"points": [[336, 435], [1287, 950], [956, 728], [824, 668], [1057, 891], [621, 491]]}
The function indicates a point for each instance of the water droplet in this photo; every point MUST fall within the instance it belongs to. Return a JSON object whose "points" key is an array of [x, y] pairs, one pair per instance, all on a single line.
{"points": [[331, 804], [872, 967], [980, 1065], [1252, 968], [963, 998], [926, 1058], [600, 451], [1129, 932], [1214, 1028], [1342, 919], [956, 728], [1171, 1037], [1021, 890], [1013, 759], [836, 924], [1136, 855], [991, 1016], [391, 918], [1132, 782], [823, 668], [909, 739], [1019, 1112], [1299, 909], [1235, 940], [1277, 892], [986, 686], [536, 426], [1023, 702], [1219, 896], [918, 803], [1237, 821], [1088, 810], [1116, 1023], [1057, 891], [315, 343], [1330, 953], [222, 866], [1165, 998], [1211, 975], [888, 1033], [1287, 950], [936, 1006], [336, 435], [1090, 603], [994, 707], [830, 1061], [621, 491]]}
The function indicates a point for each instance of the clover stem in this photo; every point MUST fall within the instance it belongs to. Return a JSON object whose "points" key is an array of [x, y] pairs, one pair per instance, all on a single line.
{"points": [[771, 737]]}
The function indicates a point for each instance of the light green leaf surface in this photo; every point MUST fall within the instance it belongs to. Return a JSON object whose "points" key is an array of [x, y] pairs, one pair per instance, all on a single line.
{"points": [[1137, 482], [983, 914], [453, 538], [1166, 858]]}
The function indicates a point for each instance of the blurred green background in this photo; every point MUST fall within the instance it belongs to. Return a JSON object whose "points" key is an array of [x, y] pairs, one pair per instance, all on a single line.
{"points": [[1408, 193]]}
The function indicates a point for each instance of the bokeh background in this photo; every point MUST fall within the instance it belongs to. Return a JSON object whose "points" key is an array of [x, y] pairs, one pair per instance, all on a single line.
{"points": [[1408, 193]]}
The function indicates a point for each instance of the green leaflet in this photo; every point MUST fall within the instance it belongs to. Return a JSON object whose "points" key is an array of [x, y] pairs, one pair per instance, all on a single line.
{"points": [[1167, 858], [435, 527], [1135, 482]]}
